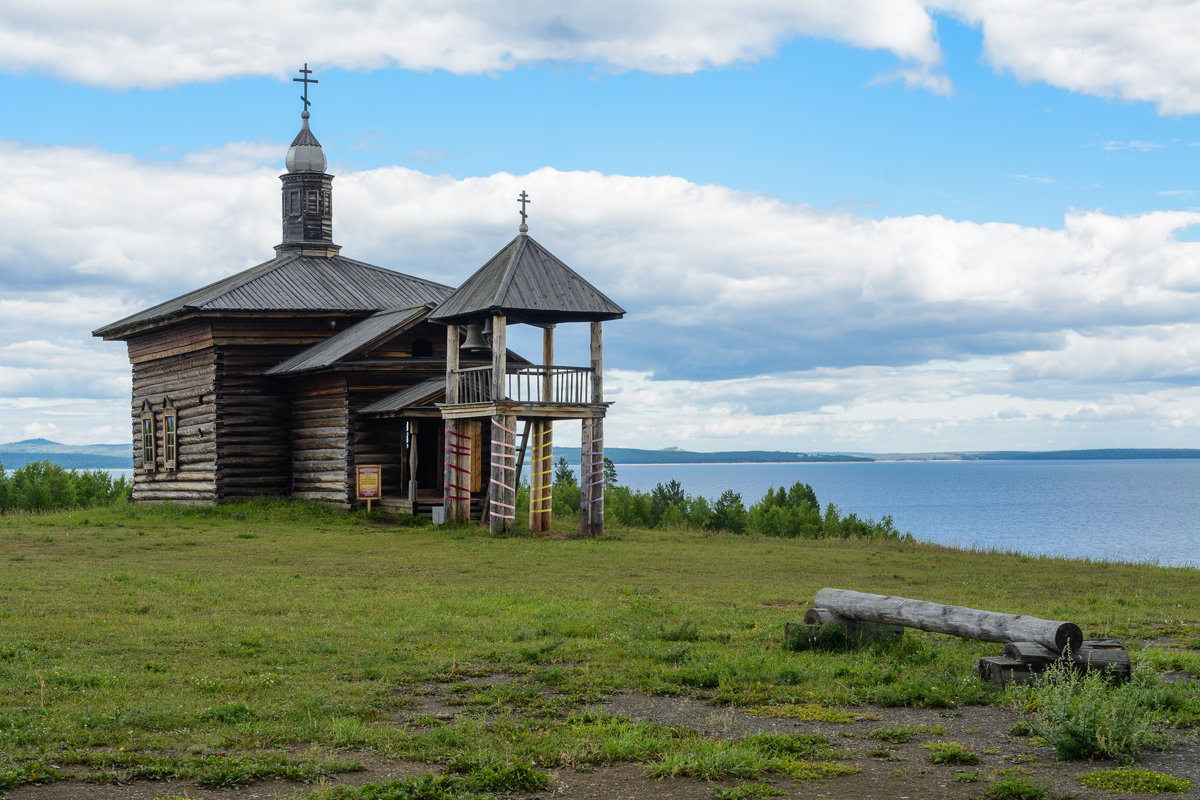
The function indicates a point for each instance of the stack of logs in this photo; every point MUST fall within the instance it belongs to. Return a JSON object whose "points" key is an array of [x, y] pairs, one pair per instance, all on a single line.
{"points": [[1030, 644]]}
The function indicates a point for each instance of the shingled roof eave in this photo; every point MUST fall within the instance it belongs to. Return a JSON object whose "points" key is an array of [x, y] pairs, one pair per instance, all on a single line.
{"points": [[194, 302], [496, 301]]}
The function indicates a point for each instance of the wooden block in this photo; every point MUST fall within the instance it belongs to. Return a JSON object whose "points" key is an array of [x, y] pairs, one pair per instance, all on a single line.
{"points": [[1105, 655], [1002, 671], [1031, 653]]}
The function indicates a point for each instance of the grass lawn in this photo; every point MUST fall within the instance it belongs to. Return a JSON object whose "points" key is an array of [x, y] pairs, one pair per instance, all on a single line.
{"points": [[277, 640]]}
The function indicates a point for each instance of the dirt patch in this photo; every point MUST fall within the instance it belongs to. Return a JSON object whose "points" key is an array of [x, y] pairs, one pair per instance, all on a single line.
{"points": [[889, 770]]}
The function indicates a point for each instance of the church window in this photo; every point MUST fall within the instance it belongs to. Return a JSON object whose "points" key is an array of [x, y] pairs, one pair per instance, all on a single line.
{"points": [[147, 437], [170, 440]]}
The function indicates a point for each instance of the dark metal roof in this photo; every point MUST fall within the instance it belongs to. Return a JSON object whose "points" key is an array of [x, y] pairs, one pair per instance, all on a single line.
{"points": [[421, 394], [526, 283], [294, 282], [370, 331]]}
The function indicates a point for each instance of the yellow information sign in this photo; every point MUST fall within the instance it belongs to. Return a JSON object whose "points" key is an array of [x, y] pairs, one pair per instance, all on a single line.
{"points": [[369, 481]]}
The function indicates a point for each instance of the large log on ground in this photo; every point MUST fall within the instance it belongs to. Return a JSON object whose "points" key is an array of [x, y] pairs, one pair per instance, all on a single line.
{"points": [[970, 623]]}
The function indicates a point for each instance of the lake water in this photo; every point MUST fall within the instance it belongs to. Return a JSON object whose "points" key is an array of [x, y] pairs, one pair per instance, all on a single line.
{"points": [[1103, 510]]}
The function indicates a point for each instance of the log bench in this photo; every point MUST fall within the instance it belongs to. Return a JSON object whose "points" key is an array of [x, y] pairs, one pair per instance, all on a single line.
{"points": [[1031, 645]]}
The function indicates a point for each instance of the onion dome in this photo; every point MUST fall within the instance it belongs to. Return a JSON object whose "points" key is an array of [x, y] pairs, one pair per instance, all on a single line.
{"points": [[305, 154]]}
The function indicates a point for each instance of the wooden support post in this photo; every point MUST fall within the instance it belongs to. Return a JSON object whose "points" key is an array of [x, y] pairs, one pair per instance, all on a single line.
{"points": [[591, 477], [450, 470], [540, 475], [548, 364], [502, 494], [499, 356], [458, 475], [591, 472], [597, 364], [412, 463], [969, 623], [451, 364]]}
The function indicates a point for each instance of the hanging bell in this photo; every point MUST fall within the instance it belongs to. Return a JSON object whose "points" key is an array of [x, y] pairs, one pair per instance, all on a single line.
{"points": [[475, 340]]}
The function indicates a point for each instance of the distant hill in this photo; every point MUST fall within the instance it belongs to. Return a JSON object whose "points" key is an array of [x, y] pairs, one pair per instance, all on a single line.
{"points": [[1101, 454], [673, 455], [71, 456]]}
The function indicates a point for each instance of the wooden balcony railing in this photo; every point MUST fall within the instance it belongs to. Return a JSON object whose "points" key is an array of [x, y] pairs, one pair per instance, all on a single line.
{"points": [[527, 385]]}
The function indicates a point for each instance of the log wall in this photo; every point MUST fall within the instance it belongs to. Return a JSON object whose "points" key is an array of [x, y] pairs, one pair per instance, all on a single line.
{"points": [[186, 379], [320, 423]]}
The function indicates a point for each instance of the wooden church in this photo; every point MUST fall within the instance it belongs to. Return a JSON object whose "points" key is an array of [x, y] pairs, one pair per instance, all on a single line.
{"points": [[284, 378]]}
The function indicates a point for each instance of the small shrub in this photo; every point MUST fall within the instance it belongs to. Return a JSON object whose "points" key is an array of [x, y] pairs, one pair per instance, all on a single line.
{"points": [[974, 776], [1021, 728], [30, 772], [950, 753], [905, 733], [1016, 789], [1132, 779], [1084, 716], [745, 791]]}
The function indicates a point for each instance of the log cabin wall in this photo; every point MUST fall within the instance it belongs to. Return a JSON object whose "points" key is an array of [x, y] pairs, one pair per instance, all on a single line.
{"points": [[255, 429], [320, 468], [175, 368]]}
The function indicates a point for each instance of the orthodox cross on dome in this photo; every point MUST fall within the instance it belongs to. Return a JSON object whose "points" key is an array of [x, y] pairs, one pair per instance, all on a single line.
{"points": [[306, 81], [524, 198]]}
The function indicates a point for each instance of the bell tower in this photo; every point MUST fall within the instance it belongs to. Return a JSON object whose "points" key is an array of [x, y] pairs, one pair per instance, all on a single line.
{"points": [[307, 190]]}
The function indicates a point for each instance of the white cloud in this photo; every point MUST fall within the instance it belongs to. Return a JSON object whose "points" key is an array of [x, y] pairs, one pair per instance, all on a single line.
{"points": [[150, 44], [765, 323], [1139, 50]]}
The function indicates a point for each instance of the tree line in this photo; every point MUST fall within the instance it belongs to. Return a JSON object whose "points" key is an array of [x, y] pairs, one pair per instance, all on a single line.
{"points": [[794, 512], [46, 486]]}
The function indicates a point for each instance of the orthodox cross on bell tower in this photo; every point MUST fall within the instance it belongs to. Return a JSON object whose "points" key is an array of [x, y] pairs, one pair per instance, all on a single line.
{"points": [[524, 198], [306, 81]]}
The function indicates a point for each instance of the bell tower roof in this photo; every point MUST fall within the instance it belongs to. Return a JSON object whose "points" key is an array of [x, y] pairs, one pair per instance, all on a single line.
{"points": [[307, 189], [305, 154]]}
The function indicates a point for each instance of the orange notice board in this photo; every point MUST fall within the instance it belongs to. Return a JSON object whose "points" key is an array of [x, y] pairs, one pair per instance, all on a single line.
{"points": [[369, 482]]}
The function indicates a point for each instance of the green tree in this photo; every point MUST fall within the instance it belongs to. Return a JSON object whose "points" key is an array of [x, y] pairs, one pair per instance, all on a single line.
{"points": [[563, 474], [610, 472]]}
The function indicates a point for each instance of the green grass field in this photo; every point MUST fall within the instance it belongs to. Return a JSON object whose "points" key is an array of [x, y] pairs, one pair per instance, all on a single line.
{"points": [[224, 645]]}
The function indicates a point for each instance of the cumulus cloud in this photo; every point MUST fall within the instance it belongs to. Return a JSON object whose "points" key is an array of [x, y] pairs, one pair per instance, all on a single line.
{"points": [[149, 44], [1139, 50], [748, 316]]}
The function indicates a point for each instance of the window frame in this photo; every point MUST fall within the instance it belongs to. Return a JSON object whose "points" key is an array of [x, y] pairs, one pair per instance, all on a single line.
{"points": [[148, 435], [170, 438]]}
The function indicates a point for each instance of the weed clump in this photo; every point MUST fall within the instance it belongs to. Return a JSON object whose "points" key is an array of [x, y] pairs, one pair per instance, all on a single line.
{"points": [[1016, 789], [949, 753], [1084, 716], [1132, 779]]}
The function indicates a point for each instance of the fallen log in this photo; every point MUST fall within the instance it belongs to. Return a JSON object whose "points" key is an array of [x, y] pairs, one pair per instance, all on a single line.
{"points": [[970, 623]]}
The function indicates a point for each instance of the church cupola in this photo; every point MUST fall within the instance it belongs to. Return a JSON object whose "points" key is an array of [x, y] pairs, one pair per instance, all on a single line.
{"points": [[307, 190]]}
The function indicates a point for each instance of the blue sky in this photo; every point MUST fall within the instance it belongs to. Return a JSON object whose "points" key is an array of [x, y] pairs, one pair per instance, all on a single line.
{"points": [[868, 226]]}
